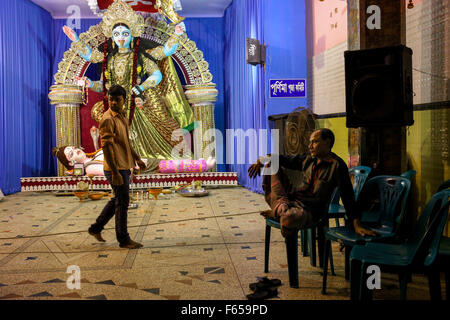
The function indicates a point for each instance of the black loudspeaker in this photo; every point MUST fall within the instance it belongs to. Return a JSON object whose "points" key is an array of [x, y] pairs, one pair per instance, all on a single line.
{"points": [[378, 87], [255, 52]]}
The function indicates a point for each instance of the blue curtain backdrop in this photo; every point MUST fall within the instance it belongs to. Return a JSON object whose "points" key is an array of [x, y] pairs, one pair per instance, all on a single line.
{"points": [[26, 127], [285, 33], [244, 91], [281, 26]]}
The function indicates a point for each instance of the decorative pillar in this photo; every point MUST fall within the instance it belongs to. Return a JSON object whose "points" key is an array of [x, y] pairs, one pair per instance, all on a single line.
{"points": [[67, 100], [202, 98]]}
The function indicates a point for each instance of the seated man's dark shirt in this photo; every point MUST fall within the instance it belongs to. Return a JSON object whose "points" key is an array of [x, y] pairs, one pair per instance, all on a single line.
{"points": [[313, 183]]}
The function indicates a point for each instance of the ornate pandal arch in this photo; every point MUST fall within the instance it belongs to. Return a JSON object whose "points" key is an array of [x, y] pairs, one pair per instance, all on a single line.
{"points": [[188, 57], [199, 89]]}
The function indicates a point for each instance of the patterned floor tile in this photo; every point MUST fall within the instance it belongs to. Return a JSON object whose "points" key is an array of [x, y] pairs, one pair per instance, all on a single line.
{"points": [[152, 290], [41, 294], [194, 248], [73, 295]]}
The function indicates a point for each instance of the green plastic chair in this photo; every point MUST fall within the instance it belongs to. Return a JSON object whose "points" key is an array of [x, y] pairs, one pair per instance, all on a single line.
{"points": [[291, 245], [373, 216], [336, 211], [444, 185], [360, 174], [409, 174], [442, 263], [393, 192], [417, 254]]}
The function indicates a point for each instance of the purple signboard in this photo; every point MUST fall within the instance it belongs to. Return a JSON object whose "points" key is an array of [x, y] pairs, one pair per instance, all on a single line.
{"points": [[289, 88]]}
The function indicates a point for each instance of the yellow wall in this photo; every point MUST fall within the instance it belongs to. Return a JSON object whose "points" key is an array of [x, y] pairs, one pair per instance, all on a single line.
{"points": [[428, 153], [337, 125], [427, 150]]}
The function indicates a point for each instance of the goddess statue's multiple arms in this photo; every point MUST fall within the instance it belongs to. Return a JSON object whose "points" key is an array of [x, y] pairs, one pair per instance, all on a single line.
{"points": [[83, 49], [159, 53]]}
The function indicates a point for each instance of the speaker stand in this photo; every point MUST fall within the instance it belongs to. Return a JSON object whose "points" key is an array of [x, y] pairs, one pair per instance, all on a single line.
{"points": [[383, 149]]}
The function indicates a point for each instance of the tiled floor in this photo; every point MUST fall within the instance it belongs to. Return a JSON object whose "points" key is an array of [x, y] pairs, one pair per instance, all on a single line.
{"points": [[194, 249]]}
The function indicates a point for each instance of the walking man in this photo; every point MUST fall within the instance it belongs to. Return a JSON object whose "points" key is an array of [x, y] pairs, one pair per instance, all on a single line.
{"points": [[119, 158]]}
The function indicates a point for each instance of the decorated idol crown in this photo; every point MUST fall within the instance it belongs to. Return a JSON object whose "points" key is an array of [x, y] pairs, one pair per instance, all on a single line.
{"points": [[120, 12]]}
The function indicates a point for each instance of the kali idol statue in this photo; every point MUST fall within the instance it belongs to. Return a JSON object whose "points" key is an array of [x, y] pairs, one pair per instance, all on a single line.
{"points": [[156, 106]]}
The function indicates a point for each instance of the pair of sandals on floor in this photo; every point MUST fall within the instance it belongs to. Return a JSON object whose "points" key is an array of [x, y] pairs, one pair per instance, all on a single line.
{"points": [[265, 288]]}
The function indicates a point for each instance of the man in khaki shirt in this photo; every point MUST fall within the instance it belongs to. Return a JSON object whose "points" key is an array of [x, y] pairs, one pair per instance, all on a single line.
{"points": [[119, 159]]}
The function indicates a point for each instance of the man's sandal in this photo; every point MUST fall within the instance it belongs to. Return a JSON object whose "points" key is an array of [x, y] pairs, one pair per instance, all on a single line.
{"points": [[264, 283]]}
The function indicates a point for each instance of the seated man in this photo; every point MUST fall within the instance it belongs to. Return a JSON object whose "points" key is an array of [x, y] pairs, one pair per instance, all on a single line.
{"points": [[321, 172]]}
